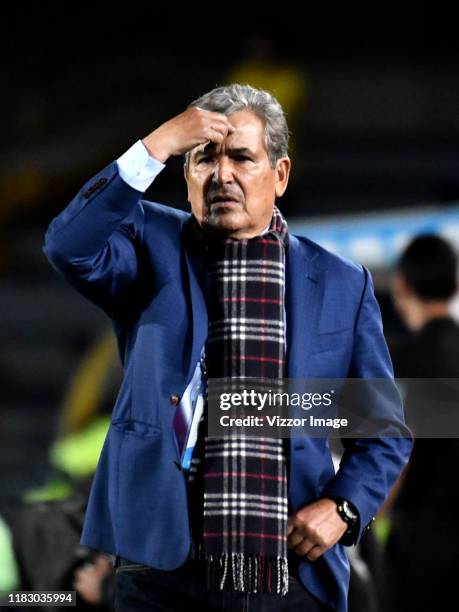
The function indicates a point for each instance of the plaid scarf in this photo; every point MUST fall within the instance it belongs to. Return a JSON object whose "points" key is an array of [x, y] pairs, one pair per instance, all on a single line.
{"points": [[238, 485]]}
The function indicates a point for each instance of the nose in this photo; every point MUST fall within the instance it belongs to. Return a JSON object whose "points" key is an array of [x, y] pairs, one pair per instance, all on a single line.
{"points": [[223, 170]]}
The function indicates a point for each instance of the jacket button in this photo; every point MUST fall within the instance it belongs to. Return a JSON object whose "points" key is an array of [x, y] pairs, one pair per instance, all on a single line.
{"points": [[97, 185], [174, 399]]}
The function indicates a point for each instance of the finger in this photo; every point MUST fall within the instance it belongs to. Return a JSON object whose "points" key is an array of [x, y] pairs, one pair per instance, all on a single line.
{"points": [[315, 553], [216, 136], [224, 124], [217, 117], [222, 128], [294, 539], [304, 547], [229, 126], [291, 524]]}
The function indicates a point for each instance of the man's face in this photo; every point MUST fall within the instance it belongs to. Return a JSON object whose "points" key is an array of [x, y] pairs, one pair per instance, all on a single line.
{"points": [[231, 186]]}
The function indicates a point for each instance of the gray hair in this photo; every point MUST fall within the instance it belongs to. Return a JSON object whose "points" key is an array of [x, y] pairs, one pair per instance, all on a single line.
{"points": [[235, 97]]}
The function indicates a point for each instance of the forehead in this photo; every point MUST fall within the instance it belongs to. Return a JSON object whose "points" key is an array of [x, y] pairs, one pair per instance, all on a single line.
{"points": [[249, 133]]}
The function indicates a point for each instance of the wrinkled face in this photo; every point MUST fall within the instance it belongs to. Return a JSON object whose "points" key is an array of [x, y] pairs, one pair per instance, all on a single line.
{"points": [[231, 186]]}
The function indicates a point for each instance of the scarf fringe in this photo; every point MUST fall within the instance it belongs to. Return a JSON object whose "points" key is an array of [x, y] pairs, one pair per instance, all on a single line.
{"points": [[246, 573]]}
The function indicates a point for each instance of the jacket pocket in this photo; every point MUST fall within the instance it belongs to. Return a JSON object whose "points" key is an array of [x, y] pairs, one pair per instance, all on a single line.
{"points": [[132, 567], [138, 429]]}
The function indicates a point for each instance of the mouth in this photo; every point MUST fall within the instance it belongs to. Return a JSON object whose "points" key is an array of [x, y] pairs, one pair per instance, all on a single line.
{"points": [[223, 201]]}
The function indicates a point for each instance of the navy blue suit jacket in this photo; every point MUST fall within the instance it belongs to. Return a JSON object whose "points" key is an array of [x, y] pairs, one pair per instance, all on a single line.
{"points": [[127, 255]]}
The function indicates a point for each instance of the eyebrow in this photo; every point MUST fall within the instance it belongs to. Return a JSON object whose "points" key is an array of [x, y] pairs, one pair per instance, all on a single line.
{"points": [[232, 151]]}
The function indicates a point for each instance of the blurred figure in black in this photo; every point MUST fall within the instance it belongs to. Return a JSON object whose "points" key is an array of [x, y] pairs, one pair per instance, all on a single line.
{"points": [[422, 554]]}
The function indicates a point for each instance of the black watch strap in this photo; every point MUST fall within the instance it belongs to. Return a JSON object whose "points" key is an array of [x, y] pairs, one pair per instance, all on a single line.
{"points": [[350, 515]]}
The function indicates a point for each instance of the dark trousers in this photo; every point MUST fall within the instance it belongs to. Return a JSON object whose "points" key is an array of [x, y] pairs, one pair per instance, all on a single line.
{"points": [[141, 589]]}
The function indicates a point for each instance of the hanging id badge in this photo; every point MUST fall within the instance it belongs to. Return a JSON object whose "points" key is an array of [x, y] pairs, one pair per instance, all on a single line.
{"points": [[192, 433]]}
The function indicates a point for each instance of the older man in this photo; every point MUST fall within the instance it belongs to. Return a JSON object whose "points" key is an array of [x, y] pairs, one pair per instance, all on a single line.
{"points": [[226, 291]]}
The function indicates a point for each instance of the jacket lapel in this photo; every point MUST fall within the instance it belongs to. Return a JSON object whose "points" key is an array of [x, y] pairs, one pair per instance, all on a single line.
{"points": [[197, 276], [303, 303]]}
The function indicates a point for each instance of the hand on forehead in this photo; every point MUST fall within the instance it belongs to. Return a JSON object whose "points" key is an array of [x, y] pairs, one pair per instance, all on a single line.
{"points": [[247, 133]]}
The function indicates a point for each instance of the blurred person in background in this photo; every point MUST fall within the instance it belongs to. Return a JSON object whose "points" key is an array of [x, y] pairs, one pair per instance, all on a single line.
{"points": [[166, 279], [48, 523], [422, 553], [9, 579]]}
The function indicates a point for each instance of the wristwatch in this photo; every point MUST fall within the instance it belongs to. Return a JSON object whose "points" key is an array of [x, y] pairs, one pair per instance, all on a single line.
{"points": [[350, 516], [346, 513]]}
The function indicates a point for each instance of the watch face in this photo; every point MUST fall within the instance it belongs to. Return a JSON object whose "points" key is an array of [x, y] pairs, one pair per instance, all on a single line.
{"points": [[348, 512]]}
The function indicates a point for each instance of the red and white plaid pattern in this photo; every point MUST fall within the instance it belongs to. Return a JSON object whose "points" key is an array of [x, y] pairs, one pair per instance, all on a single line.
{"points": [[238, 485]]}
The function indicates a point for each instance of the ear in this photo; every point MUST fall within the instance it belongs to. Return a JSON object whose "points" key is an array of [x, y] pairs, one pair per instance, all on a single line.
{"points": [[283, 166], [403, 286], [185, 175]]}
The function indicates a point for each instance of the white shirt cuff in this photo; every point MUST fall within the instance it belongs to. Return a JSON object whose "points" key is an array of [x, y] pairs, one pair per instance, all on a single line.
{"points": [[138, 168]]}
